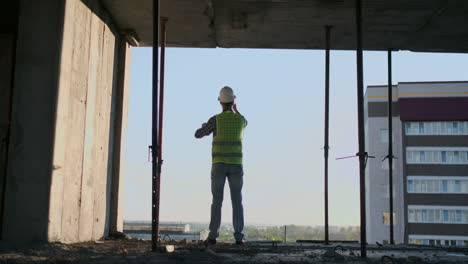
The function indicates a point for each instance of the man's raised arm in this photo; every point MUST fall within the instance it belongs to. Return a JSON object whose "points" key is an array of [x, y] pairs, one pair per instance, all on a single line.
{"points": [[206, 128], [234, 107]]}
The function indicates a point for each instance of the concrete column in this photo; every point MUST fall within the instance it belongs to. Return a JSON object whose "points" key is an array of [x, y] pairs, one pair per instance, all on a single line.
{"points": [[68, 110], [120, 117], [80, 188], [38, 55]]}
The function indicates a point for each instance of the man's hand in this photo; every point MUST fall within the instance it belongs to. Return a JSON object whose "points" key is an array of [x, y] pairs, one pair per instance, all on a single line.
{"points": [[234, 107]]}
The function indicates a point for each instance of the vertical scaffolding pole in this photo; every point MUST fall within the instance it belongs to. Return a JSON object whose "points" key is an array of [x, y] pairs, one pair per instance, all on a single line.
{"points": [[390, 144], [327, 107], [154, 137], [161, 93], [360, 101], [161, 106], [284, 237]]}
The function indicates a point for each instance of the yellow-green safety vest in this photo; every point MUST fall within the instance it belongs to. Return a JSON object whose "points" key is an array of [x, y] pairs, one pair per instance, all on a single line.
{"points": [[227, 144]]}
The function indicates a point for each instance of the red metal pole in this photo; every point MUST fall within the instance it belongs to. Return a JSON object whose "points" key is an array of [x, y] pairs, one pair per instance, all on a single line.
{"points": [[154, 134], [161, 87], [161, 109], [161, 97]]}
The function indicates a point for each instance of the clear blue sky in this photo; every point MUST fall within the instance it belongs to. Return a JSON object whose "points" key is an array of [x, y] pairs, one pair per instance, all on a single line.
{"points": [[281, 93]]}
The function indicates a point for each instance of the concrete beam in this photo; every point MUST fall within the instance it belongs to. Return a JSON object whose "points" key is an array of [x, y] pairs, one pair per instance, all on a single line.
{"points": [[429, 25]]}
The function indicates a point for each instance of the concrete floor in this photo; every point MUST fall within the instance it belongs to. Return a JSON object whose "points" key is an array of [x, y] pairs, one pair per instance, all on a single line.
{"points": [[138, 251]]}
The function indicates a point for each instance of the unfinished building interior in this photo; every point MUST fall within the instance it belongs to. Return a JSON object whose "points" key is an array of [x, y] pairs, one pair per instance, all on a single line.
{"points": [[64, 69]]}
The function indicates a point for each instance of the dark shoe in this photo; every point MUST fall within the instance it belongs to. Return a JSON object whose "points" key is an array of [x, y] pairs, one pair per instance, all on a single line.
{"points": [[210, 242], [240, 243]]}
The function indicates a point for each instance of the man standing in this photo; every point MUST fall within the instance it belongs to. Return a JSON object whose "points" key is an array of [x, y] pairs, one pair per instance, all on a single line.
{"points": [[227, 128]]}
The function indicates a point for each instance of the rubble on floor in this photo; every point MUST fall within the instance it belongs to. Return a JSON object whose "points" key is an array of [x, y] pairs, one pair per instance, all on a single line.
{"points": [[139, 251]]}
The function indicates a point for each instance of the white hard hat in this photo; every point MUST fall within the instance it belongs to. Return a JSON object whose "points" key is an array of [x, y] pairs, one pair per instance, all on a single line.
{"points": [[226, 95]]}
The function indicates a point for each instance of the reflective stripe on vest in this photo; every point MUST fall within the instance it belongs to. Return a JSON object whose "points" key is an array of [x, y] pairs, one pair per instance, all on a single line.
{"points": [[227, 144], [217, 154]]}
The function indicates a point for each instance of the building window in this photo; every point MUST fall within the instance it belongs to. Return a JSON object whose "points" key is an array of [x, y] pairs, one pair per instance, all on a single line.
{"points": [[437, 240], [408, 128], [424, 216], [443, 156], [421, 128], [386, 218], [452, 216], [422, 156], [464, 186], [436, 156], [436, 128], [411, 216], [436, 215], [456, 157], [457, 186], [444, 186], [434, 184], [458, 216], [410, 186]]}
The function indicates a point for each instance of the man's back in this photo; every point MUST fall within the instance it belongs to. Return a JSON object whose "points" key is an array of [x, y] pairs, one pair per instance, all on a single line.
{"points": [[227, 128], [227, 143]]}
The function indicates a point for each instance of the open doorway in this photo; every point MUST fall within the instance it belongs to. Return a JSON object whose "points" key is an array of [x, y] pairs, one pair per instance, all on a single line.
{"points": [[281, 94]]}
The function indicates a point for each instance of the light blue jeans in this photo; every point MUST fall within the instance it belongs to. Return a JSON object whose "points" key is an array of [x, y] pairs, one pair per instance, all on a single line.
{"points": [[234, 173]]}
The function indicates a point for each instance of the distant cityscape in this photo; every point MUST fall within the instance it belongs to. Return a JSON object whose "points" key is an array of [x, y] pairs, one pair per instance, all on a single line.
{"points": [[199, 231]]}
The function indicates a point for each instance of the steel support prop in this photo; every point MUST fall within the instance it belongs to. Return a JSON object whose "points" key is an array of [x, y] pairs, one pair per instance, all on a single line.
{"points": [[161, 104], [154, 137], [161, 90], [390, 145], [327, 114], [361, 134]]}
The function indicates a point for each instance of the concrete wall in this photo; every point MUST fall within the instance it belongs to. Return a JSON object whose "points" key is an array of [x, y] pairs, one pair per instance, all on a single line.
{"points": [[377, 185], [60, 175], [80, 193], [377, 180], [119, 136], [7, 44], [33, 120]]}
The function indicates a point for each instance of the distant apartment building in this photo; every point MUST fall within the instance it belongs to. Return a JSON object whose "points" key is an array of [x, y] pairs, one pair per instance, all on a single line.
{"points": [[430, 141]]}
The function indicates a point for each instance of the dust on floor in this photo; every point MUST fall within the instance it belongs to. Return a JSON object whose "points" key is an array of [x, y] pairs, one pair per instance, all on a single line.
{"points": [[139, 251]]}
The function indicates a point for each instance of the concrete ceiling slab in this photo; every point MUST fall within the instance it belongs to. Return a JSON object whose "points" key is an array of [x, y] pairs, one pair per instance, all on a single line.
{"points": [[417, 25]]}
